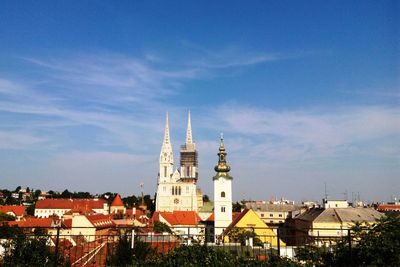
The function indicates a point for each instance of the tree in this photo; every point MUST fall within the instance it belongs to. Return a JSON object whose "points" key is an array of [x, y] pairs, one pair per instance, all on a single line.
{"points": [[206, 198], [27, 250], [66, 194], [377, 245], [160, 227], [6, 217], [130, 201], [237, 207], [30, 210], [36, 194]]}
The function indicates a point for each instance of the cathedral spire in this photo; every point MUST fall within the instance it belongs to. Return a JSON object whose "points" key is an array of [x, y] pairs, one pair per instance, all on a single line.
{"points": [[189, 139], [166, 155], [166, 132]]}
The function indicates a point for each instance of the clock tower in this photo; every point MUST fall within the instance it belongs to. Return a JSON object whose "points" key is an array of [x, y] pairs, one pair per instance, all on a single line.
{"points": [[222, 192]]}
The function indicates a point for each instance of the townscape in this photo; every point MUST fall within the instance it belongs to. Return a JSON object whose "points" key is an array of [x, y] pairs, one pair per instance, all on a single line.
{"points": [[84, 227], [200, 133]]}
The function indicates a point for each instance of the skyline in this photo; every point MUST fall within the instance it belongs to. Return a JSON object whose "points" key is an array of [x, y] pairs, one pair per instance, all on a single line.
{"points": [[305, 94]]}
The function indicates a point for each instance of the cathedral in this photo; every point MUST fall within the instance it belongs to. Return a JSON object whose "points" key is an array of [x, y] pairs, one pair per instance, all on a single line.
{"points": [[177, 189]]}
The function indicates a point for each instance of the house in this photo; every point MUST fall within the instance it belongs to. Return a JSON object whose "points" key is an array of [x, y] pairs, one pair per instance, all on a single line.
{"points": [[48, 207], [18, 211], [185, 223], [274, 214], [325, 224], [29, 224], [250, 221], [91, 227], [117, 206], [389, 209]]}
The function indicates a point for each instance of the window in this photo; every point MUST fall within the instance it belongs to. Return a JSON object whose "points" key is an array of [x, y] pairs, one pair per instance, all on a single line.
{"points": [[173, 190], [222, 209], [222, 194], [262, 214], [165, 171], [179, 191], [280, 215], [188, 171], [271, 215]]}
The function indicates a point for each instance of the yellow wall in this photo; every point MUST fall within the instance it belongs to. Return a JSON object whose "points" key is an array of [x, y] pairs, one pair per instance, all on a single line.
{"points": [[252, 220]]}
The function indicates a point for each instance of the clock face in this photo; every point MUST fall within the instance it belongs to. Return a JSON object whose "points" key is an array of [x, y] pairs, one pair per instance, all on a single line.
{"points": [[176, 201]]}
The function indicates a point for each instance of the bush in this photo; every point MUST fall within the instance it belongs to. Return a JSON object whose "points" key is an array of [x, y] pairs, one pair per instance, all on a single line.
{"points": [[23, 250]]}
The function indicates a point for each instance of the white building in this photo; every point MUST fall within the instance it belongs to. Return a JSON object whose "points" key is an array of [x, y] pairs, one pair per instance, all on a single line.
{"points": [[177, 190], [222, 193], [49, 207]]}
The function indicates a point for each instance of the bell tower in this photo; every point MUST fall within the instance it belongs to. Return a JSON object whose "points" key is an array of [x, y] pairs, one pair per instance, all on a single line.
{"points": [[189, 157], [222, 192]]}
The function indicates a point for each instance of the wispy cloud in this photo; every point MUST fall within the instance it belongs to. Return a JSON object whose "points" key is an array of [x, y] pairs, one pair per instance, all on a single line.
{"points": [[311, 132], [17, 140]]}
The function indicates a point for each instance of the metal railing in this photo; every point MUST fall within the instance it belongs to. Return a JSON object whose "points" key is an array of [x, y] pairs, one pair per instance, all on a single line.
{"points": [[85, 246]]}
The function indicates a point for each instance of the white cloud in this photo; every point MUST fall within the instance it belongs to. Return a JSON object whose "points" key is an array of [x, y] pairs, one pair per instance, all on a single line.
{"points": [[18, 140]]}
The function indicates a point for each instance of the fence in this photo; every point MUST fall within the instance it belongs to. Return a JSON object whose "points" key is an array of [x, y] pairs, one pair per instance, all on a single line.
{"points": [[95, 247]]}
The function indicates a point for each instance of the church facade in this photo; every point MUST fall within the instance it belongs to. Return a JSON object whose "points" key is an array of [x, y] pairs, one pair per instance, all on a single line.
{"points": [[177, 188]]}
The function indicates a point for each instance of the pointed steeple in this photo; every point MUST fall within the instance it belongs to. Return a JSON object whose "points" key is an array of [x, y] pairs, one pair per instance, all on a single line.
{"points": [[166, 132], [189, 138], [166, 155]]}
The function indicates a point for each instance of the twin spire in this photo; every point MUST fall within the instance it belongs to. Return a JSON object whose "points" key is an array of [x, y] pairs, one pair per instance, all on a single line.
{"points": [[189, 138]]}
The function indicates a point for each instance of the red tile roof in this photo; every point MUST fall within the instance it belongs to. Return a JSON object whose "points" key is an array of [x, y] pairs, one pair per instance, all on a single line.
{"points": [[388, 207], [17, 210], [211, 218], [36, 222], [178, 217], [100, 220], [117, 202], [66, 203]]}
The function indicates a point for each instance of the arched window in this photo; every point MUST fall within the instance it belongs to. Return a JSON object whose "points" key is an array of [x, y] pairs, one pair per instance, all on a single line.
{"points": [[222, 194]]}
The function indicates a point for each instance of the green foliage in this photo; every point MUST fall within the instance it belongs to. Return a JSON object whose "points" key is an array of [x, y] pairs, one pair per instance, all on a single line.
{"points": [[30, 210], [124, 255], [160, 227], [237, 206], [206, 198], [6, 217], [378, 245], [202, 255], [131, 201], [22, 250], [240, 235]]}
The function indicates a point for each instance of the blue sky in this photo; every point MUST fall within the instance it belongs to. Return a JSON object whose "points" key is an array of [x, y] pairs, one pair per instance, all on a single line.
{"points": [[306, 93]]}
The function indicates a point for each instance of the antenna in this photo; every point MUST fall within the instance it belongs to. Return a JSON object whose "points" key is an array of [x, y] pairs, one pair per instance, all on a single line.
{"points": [[141, 189], [326, 194]]}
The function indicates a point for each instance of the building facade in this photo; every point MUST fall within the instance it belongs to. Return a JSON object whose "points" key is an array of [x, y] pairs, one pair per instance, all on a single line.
{"points": [[177, 190], [222, 192]]}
